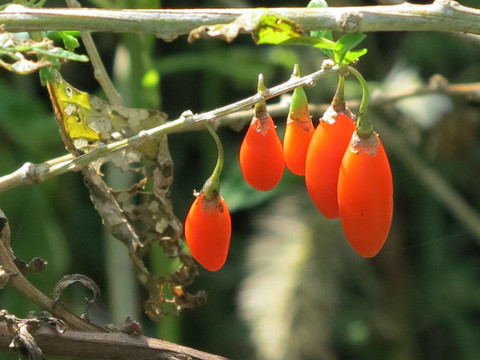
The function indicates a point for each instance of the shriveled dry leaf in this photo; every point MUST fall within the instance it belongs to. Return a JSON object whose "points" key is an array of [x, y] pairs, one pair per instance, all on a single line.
{"points": [[140, 215]]}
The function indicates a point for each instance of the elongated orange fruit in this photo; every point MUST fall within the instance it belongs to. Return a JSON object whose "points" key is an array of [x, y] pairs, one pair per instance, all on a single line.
{"points": [[261, 155], [208, 230], [365, 196], [298, 133], [325, 153]]}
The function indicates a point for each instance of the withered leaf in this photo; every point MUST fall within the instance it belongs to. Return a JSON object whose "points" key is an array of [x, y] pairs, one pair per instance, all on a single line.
{"points": [[68, 280], [20, 53], [24, 343], [22, 340], [4, 230], [35, 265], [266, 27], [138, 212], [4, 277]]}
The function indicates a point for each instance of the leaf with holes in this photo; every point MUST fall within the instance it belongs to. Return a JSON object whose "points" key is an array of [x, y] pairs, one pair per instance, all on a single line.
{"points": [[138, 213]]}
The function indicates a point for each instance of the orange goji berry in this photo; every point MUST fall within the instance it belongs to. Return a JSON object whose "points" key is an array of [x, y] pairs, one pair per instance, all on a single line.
{"points": [[208, 230], [324, 155], [365, 195], [298, 133], [261, 154]]}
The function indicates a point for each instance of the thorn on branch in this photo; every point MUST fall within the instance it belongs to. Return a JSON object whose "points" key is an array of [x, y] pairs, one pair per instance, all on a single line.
{"points": [[129, 326]]}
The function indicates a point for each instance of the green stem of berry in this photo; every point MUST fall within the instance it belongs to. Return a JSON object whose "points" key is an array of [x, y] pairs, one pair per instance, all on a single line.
{"points": [[261, 106], [364, 125], [299, 101], [338, 102], [211, 189]]}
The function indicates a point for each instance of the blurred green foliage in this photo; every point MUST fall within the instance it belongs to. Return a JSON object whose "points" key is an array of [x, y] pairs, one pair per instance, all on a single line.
{"points": [[418, 299]]}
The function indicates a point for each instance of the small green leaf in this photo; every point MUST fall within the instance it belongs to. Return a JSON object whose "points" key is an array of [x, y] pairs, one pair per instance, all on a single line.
{"points": [[323, 44], [62, 54], [351, 56], [47, 74], [273, 28], [320, 33], [70, 42], [320, 43], [346, 43]]}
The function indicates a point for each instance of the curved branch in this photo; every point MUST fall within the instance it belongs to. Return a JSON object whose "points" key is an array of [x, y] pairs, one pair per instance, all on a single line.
{"points": [[441, 15], [19, 281], [101, 345], [31, 173], [232, 115]]}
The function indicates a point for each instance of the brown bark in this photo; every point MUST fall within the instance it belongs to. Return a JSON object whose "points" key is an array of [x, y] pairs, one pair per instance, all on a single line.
{"points": [[105, 345]]}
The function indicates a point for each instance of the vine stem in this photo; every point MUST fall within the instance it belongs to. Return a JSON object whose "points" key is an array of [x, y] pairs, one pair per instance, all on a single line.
{"points": [[364, 125], [236, 116], [211, 188], [168, 24], [39, 173], [338, 102], [100, 72]]}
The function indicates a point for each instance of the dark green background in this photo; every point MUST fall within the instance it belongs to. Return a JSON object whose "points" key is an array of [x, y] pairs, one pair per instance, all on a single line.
{"points": [[418, 299]]}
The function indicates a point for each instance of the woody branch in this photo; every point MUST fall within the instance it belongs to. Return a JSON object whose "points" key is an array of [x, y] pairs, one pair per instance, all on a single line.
{"points": [[441, 15]]}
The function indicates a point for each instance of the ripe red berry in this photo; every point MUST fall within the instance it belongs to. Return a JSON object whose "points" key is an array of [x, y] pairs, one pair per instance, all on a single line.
{"points": [[261, 154], [208, 230], [325, 153], [365, 195], [298, 133]]}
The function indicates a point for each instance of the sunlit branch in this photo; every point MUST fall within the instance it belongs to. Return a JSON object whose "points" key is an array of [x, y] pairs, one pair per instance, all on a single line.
{"points": [[441, 15], [31, 173]]}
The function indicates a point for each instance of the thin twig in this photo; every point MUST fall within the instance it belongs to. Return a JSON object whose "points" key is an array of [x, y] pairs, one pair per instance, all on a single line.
{"points": [[398, 146], [19, 281], [100, 72], [39, 173], [233, 115], [168, 24]]}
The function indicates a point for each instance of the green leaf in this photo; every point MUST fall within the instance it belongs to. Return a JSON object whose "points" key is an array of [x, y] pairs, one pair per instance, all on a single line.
{"points": [[266, 27], [62, 54], [323, 44], [47, 74], [70, 42], [319, 43], [273, 28], [346, 43], [320, 33], [352, 56]]}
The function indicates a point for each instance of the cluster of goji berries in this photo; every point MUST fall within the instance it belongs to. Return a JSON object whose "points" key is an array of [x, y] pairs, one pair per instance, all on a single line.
{"points": [[347, 173], [346, 170]]}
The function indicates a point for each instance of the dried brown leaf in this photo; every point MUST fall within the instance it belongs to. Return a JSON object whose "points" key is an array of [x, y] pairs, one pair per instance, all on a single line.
{"points": [[140, 213]]}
